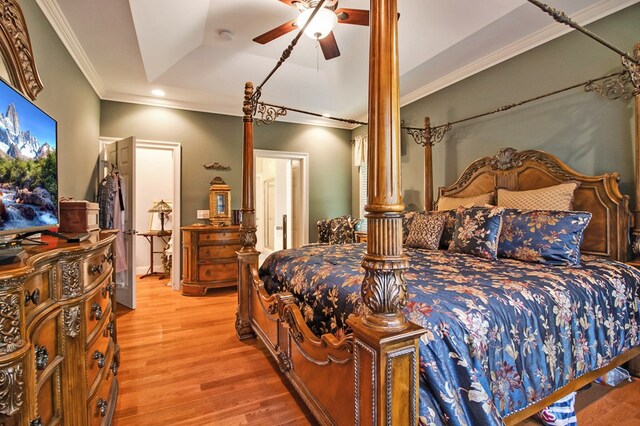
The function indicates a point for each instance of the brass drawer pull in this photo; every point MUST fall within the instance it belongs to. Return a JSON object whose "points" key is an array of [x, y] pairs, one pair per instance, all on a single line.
{"points": [[108, 330], [107, 257], [101, 405], [96, 269], [36, 422], [97, 311], [33, 297], [100, 357], [42, 357], [108, 289]]}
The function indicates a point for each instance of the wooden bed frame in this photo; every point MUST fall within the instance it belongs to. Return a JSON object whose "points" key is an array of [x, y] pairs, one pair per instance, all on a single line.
{"points": [[371, 375]]}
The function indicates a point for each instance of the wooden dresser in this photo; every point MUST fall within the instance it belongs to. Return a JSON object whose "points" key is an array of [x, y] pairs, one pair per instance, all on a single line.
{"points": [[58, 348], [209, 258]]}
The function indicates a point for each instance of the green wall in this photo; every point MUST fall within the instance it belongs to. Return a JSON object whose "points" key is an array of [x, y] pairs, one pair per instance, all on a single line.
{"points": [[591, 134], [69, 98], [208, 138]]}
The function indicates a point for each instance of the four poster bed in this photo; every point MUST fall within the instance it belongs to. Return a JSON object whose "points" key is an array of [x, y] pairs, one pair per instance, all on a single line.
{"points": [[439, 336]]}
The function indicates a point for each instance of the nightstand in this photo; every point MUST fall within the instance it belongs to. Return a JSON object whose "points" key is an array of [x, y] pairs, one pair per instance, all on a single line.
{"points": [[361, 236]]}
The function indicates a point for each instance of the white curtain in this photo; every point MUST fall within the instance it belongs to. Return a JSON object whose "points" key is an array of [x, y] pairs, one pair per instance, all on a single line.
{"points": [[360, 151]]}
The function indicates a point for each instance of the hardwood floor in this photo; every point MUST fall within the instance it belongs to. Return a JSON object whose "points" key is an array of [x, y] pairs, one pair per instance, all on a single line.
{"points": [[182, 364]]}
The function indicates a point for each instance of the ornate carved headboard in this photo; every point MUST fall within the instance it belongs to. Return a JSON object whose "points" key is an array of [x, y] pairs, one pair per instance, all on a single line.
{"points": [[16, 50], [608, 232]]}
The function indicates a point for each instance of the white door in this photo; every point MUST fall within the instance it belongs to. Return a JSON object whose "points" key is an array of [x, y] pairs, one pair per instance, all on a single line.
{"points": [[122, 154]]}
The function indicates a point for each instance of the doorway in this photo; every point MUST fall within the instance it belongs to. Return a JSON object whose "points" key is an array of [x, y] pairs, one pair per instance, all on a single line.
{"points": [[282, 200], [156, 176]]}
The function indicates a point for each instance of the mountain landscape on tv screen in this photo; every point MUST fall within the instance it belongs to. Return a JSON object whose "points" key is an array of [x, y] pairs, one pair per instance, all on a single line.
{"points": [[28, 176]]}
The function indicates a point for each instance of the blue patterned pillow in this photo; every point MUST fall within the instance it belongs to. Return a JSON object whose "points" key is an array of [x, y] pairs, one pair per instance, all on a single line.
{"points": [[447, 232], [477, 230], [551, 237]]}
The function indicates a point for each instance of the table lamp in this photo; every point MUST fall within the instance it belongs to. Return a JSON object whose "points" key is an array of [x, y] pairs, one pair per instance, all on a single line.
{"points": [[163, 209]]}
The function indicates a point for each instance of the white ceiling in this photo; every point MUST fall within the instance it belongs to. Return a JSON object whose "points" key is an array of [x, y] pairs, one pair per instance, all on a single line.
{"points": [[127, 48]]}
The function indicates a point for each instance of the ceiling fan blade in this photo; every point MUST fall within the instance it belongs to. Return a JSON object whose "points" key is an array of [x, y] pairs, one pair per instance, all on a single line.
{"points": [[329, 47], [276, 32], [353, 16]]}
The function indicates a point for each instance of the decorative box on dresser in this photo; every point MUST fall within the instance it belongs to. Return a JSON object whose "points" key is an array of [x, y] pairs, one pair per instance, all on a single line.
{"points": [[209, 258], [58, 346]]}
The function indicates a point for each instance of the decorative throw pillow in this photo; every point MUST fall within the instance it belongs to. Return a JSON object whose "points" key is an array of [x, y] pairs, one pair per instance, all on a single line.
{"points": [[407, 219], [543, 236], [452, 203], [342, 230], [426, 230], [476, 231], [323, 231], [557, 197], [447, 232]]}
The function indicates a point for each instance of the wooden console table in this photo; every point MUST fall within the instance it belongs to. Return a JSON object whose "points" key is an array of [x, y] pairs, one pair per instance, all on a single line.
{"points": [[164, 236], [209, 258]]}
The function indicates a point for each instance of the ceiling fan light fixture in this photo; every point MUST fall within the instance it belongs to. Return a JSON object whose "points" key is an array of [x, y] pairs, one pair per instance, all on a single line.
{"points": [[321, 25]]}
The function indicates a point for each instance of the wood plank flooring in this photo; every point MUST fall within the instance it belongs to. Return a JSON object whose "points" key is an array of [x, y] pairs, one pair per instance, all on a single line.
{"points": [[181, 364]]}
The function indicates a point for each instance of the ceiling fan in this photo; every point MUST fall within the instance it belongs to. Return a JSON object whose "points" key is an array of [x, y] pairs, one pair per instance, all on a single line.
{"points": [[322, 25]]}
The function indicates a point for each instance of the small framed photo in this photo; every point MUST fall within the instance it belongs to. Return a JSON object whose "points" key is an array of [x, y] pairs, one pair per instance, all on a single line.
{"points": [[154, 220]]}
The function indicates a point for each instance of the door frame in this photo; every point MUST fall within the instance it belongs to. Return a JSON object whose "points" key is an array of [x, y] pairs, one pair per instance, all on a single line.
{"points": [[303, 157], [176, 147]]}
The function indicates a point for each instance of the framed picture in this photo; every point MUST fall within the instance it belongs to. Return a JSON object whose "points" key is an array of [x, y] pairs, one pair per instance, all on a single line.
{"points": [[154, 219]]}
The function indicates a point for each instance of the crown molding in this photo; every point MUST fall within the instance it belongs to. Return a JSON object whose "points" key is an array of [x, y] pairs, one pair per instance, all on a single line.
{"points": [[552, 31], [61, 26], [231, 110]]}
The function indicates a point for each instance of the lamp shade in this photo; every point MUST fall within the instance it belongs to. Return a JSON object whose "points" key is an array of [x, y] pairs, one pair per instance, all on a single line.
{"points": [[321, 25], [161, 207]]}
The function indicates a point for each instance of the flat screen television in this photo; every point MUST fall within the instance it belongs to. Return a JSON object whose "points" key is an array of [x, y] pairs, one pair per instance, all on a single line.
{"points": [[28, 165]]}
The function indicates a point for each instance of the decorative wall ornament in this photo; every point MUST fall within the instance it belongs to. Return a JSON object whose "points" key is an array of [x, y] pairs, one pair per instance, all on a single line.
{"points": [[71, 285], [16, 49], [616, 87], [11, 389], [217, 167], [71, 321], [10, 337], [268, 114]]}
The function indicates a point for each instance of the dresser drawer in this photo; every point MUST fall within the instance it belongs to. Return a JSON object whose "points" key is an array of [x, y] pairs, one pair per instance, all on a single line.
{"points": [[219, 236], [218, 271], [97, 266], [46, 343], [218, 251], [102, 404], [37, 291], [98, 360], [97, 309], [49, 409]]}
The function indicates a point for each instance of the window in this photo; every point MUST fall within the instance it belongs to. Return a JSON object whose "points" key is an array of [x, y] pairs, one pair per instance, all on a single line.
{"points": [[363, 190]]}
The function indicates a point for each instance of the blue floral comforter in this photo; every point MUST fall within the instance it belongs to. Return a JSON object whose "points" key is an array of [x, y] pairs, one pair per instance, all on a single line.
{"points": [[500, 336]]}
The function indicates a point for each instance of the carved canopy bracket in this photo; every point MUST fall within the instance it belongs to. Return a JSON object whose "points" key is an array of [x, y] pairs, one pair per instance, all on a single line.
{"points": [[17, 52]]}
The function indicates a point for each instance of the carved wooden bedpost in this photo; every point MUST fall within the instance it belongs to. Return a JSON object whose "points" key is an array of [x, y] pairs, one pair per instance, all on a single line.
{"points": [[385, 343], [248, 255], [428, 166], [636, 211]]}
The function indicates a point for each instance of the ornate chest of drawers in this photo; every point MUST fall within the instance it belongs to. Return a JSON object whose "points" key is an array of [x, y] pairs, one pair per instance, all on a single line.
{"points": [[209, 258], [58, 348]]}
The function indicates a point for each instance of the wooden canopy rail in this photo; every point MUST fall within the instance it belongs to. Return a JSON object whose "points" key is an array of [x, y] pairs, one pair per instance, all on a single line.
{"points": [[615, 86]]}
